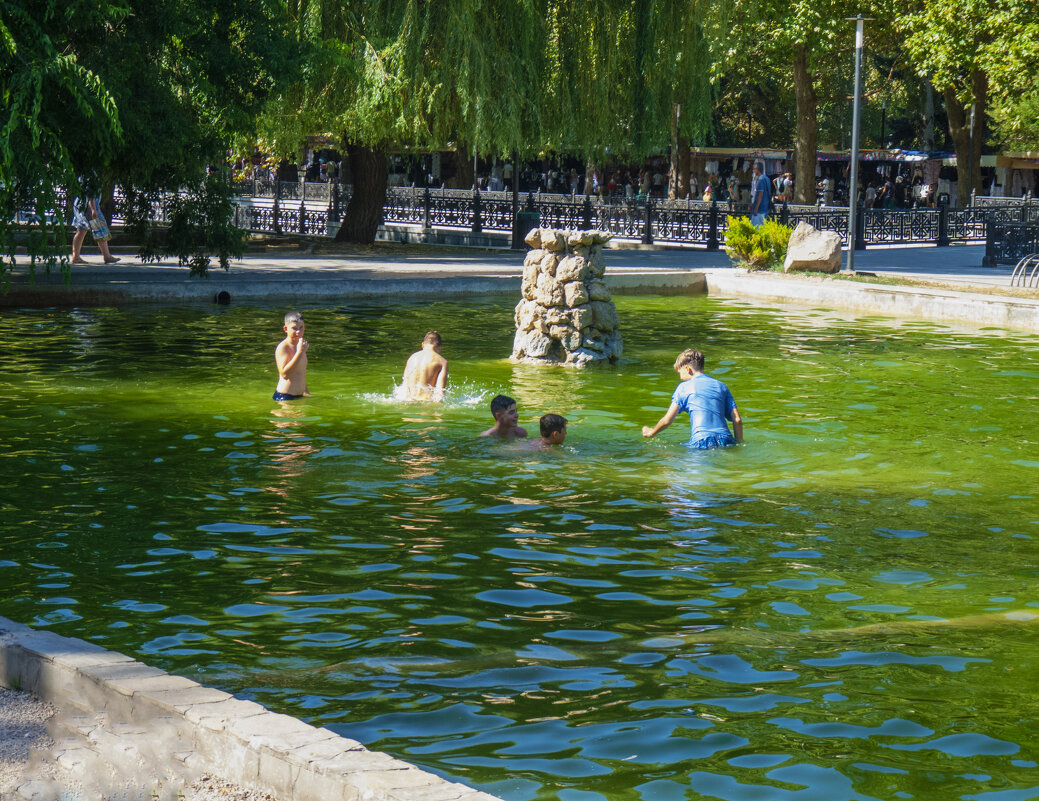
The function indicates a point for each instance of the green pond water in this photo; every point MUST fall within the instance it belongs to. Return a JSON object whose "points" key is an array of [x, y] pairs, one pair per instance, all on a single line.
{"points": [[619, 619]]}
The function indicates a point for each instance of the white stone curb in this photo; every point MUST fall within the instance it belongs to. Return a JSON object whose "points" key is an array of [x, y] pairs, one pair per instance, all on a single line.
{"points": [[939, 305], [206, 729]]}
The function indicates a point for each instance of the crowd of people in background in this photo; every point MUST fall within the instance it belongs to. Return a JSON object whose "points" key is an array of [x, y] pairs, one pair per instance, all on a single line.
{"points": [[890, 186]]}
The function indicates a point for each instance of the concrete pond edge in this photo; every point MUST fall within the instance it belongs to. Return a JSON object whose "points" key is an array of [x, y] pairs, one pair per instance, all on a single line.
{"points": [[922, 303], [204, 730], [916, 302]]}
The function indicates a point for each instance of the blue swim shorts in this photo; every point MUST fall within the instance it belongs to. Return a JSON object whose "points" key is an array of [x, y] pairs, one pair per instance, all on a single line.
{"points": [[285, 396], [712, 441]]}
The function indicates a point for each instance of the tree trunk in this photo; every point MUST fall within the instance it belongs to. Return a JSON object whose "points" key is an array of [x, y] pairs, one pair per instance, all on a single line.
{"points": [[678, 185], [465, 177], [807, 129], [364, 212], [683, 167], [959, 130], [979, 87]]}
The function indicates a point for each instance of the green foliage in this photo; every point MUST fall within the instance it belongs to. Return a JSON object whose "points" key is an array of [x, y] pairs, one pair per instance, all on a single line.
{"points": [[140, 93], [197, 225], [46, 91], [528, 75], [757, 248], [999, 39]]}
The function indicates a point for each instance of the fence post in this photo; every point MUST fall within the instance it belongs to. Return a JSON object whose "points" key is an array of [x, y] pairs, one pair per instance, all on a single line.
{"points": [[712, 225], [330, 208], [647, 223], [302, 217], [335, 201], [427, 208], [784, 214], [277, 207], [943, 225], [477, 222], [860, 228], [989, 259], [586, 213]]}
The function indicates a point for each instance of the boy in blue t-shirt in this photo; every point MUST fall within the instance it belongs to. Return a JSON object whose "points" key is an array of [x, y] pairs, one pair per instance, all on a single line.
{"points": [[708, 402]]}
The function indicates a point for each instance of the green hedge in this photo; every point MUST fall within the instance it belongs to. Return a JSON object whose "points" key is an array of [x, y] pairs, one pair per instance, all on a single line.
{"points": [[757, 248]]}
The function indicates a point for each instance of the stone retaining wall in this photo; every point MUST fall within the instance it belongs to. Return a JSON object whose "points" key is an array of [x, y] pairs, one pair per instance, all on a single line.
{"points": [[178, 725]]}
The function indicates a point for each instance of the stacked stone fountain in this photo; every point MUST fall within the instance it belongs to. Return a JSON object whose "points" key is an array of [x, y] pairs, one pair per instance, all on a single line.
{"points": [[566, 315]]}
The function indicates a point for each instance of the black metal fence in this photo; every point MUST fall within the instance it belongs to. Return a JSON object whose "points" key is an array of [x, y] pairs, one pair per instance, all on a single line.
{"points": [[1010, 242], [308, 208], [315, 209]]}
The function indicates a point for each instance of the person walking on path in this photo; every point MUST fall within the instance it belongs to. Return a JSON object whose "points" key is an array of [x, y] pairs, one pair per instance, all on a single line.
{"points": [[82, 223]]}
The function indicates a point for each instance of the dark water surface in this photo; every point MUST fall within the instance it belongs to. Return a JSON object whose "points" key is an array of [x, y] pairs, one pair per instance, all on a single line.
{"points": [[621, 619]]}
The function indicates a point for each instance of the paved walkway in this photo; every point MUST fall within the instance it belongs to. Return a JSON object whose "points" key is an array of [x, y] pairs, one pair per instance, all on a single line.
{"points": [[956, 264]]}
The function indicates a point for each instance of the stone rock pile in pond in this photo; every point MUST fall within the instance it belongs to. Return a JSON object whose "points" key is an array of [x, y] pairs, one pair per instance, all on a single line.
{"points": [[566, 315]]}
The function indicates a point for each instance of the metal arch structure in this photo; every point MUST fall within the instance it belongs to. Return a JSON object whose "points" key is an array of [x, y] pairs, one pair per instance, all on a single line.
{"points": [[1022, 277]]}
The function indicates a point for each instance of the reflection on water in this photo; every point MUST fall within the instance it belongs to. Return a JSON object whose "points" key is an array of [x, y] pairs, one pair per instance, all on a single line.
{"points": [[838, 609]]}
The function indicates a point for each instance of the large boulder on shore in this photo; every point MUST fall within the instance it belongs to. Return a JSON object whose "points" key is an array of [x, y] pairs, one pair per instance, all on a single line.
{"points": [[813, 250]]}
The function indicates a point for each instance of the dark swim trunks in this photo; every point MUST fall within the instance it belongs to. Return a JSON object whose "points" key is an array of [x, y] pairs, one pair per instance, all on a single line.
{"points": [[285, 396]]}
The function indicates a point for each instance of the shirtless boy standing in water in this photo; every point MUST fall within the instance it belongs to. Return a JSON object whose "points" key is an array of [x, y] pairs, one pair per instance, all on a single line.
{"points": [[425, 374], [291, 358]]}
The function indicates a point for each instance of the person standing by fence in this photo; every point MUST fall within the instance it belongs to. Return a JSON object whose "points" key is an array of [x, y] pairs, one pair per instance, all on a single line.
{"points": [[760, 189]]}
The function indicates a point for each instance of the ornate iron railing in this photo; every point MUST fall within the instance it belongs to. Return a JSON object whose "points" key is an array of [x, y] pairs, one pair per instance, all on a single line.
{"points": [[824, 218], [1009, 242], [310, 208]]}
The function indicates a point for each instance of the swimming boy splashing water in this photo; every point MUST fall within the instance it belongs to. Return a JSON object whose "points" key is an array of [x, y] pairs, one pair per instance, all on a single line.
{"points": [[425, 374]]}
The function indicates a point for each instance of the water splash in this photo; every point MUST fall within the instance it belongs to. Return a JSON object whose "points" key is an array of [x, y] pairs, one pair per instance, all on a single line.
{"points": [[464, 395]]}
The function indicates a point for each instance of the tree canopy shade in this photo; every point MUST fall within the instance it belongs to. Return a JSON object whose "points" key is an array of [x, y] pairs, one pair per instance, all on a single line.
{"points": [[145, 93], [808, 45], [54, 105], [492, 77], [985, 54]]}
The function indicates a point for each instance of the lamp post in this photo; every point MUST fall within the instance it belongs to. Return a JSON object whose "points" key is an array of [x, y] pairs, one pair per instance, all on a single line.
{"points": [[853, 184]]}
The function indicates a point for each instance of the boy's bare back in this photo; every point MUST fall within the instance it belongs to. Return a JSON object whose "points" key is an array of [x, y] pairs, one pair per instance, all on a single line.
{"points": [[425, 374]]}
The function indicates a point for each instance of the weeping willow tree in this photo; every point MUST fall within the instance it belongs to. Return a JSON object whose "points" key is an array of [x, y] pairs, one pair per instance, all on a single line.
{"points": [[492, 78], [53, 105], [143, 93]]}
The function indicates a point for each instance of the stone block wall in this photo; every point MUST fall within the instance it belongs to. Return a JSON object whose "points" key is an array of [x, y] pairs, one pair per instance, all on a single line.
{"points": [[567, 315]]}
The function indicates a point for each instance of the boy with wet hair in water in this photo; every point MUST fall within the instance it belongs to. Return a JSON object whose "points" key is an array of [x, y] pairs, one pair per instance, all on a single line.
{"points": [[291, 359], [708, 402], [553, 431], [425, 374], [506, 419]]}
